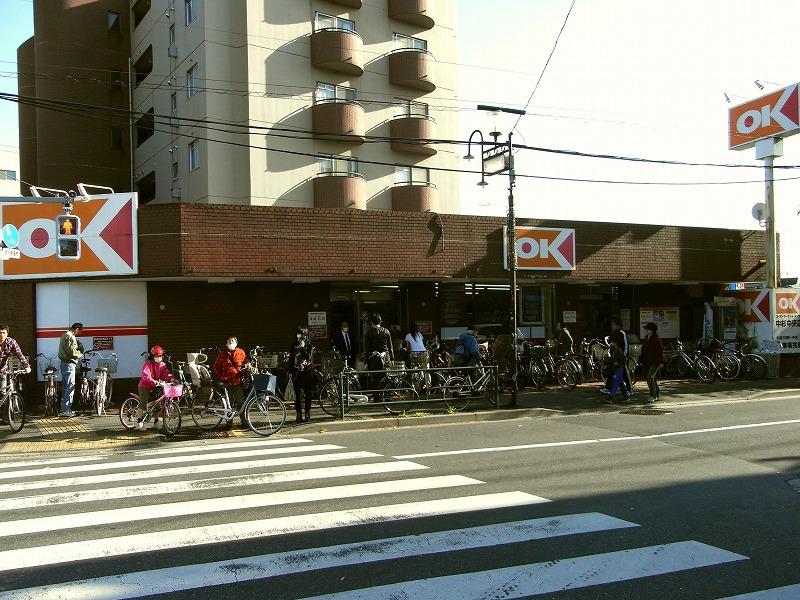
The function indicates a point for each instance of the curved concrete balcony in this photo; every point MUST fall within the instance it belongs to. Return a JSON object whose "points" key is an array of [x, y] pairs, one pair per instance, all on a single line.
{"points": [[339, 120], [414, 12], [340, 190], [412, 68], [338, 50], [408, 133], [417, 196], [348, 3]]}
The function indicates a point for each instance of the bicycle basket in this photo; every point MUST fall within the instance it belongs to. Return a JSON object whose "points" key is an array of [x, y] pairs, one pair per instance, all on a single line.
{"points": [[265, 383], [110, 364], [418, 359], [332, 364], [47, 366], [396, 365], [173, 390], [600, 351]]}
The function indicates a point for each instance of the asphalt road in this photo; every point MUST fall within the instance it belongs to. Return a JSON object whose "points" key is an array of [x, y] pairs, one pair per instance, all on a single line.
{"points": [[690, 504]]}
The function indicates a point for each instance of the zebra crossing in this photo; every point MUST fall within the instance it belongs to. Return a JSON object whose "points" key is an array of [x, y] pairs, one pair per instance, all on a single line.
{"points": [[85, 511]]}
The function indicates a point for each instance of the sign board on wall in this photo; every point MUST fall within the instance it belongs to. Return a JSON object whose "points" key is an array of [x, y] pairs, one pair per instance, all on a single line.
{"points": [[543, 249], [770, 315], [425, 327], [570, 316], [774, 115], [318, 331], [109, 244], [666, 317], [317, 318], [103, 342], [625, 317]]}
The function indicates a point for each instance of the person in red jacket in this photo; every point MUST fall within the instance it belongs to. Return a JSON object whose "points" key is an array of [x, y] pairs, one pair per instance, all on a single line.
{"points": [[653, 359], [153, 371], [228, 369]]}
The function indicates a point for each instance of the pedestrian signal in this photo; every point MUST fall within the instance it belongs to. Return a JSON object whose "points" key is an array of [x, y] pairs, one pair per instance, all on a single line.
{"points": [[68, 237]]}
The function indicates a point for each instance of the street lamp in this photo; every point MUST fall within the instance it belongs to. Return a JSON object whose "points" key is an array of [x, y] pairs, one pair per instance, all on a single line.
{"points": [[511, 229]]}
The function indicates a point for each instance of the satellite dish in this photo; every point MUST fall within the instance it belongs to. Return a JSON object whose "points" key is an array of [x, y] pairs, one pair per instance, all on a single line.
{"points": [[759, 212]]}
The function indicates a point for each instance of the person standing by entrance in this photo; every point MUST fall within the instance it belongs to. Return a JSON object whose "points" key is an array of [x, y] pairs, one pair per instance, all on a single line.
{"points": [[652, 359], [564, 339], [70, 351], [377, 348], [301, 371], [344, 343]]}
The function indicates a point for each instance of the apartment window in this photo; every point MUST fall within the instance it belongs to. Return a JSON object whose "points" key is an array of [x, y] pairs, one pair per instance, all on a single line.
{"points": [[328, 92], [191, 82], [174, 167], [8, 175], [190, 14], [116, 138], [409, 108], [194, 155], [172, 34], [113, 22], [323, 21], [173, 103], [406, 42], [411, 175], [337, 165]]}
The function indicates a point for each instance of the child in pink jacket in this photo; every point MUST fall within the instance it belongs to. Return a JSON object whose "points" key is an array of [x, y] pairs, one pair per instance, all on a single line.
{"points": [[153, 371]]}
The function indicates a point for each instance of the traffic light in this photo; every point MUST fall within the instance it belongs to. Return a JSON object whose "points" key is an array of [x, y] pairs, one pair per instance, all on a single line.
{"points": [[68, 237]]}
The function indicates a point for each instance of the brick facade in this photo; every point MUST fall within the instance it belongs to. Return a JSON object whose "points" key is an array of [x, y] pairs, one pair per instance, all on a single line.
{"points": [[276, 243]]}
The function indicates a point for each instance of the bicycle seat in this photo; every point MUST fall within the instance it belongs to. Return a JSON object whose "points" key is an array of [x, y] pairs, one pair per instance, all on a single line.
{"points": [[49, 370], [101, 370]]}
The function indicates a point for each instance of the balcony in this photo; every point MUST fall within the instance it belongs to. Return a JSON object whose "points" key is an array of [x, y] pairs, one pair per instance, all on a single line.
{"points": [[348, 3], [339, 120], [412, 68], [416, 196], [340, 190], [413, 12], [409, 131], [338, 50]]}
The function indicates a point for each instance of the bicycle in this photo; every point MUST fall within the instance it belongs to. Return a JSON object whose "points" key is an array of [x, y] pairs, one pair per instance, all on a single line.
{"points": [[264, 413], [52, 403], [753, 366], [103, 384], [178, 371], [12, 400], [164, 407], [458, 390]]}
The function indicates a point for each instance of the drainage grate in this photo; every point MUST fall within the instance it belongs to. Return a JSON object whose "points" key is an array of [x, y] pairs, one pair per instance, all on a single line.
{"points": [[645, 411]]}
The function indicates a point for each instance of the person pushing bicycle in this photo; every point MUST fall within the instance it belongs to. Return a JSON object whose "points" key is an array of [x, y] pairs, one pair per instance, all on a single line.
{"points": [[8, 348], [154, 372], [229, 367]]}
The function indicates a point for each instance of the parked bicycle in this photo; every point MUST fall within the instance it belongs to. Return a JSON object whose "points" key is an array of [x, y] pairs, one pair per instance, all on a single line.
{"points": [[473, 381], [11, 400], [263, 411], [683, 365], [103, 383], [165, 407], [48, 369]]}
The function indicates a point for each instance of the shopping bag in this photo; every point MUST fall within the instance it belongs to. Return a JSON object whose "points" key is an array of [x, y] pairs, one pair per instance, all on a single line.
{"points": [[288, 395]]}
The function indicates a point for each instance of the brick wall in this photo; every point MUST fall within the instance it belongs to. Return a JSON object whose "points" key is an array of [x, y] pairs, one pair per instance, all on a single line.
{"points": [[278, 242]]}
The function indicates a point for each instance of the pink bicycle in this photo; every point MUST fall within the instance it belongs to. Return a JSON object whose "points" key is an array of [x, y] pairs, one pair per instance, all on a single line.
{"points": [[164, 407]]}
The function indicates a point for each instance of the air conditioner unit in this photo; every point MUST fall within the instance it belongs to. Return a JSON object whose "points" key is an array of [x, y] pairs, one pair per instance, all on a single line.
{"points": [[172, 51], [176, 192]]}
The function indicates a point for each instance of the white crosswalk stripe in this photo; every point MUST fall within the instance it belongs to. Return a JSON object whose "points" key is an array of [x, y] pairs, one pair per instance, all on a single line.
{"points": [[87, 509]]}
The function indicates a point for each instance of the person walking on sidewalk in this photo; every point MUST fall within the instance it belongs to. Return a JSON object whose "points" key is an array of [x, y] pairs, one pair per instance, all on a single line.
{"points": [[301, 371], [618, 341], [70, 351], [652, 359]]}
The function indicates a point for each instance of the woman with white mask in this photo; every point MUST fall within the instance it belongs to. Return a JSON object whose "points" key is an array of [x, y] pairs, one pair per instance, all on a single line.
{"points": [[153, 371], [228, 368]]}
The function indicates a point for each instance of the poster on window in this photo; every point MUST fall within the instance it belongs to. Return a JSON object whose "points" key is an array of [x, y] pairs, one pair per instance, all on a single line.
{"points": [[530, 305], [666, 317]]}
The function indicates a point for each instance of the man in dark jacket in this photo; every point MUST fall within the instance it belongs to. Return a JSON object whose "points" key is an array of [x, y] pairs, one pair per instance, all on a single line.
{"points": [[344, 343], [652, 359], [377, 347], [619, 360]]}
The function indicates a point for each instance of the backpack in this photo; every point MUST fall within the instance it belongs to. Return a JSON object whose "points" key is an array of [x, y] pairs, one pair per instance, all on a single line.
{"points": [[460, 355]]}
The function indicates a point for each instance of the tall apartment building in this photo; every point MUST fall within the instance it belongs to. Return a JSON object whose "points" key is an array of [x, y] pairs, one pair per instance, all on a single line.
{"points": [[310, 103]]}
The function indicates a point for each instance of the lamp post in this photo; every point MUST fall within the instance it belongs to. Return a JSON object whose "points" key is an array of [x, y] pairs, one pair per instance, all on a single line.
{"points": [[511, 229]]}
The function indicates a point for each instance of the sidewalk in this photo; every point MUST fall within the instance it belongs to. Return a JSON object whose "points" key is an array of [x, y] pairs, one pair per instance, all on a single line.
{"points": [[45, 435]]}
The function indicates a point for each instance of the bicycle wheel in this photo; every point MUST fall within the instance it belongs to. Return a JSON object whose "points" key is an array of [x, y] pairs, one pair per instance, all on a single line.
{"points": [[203, 411], [456, 393], [129, 413], [679, 366], [538, 372], [329, 398], [265, 414], [567, 374], [171, 415], [727, 367], [15, 405], [50, 400], [99, 401], [754, 367], [397, 394], [705, 369]]}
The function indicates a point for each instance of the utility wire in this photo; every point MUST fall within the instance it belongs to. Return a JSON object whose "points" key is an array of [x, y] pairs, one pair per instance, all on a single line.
{"points": [[544, 68]]}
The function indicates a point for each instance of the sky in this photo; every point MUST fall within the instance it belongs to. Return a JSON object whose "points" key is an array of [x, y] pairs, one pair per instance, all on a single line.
{"points": [[632, 78]]}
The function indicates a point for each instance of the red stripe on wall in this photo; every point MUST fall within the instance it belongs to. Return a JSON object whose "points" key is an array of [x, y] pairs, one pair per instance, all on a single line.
{"points": [[95, 331]]}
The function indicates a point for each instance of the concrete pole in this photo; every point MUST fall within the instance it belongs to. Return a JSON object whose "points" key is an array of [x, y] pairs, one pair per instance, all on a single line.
{"points": [[512, 268], [767, 150]]}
